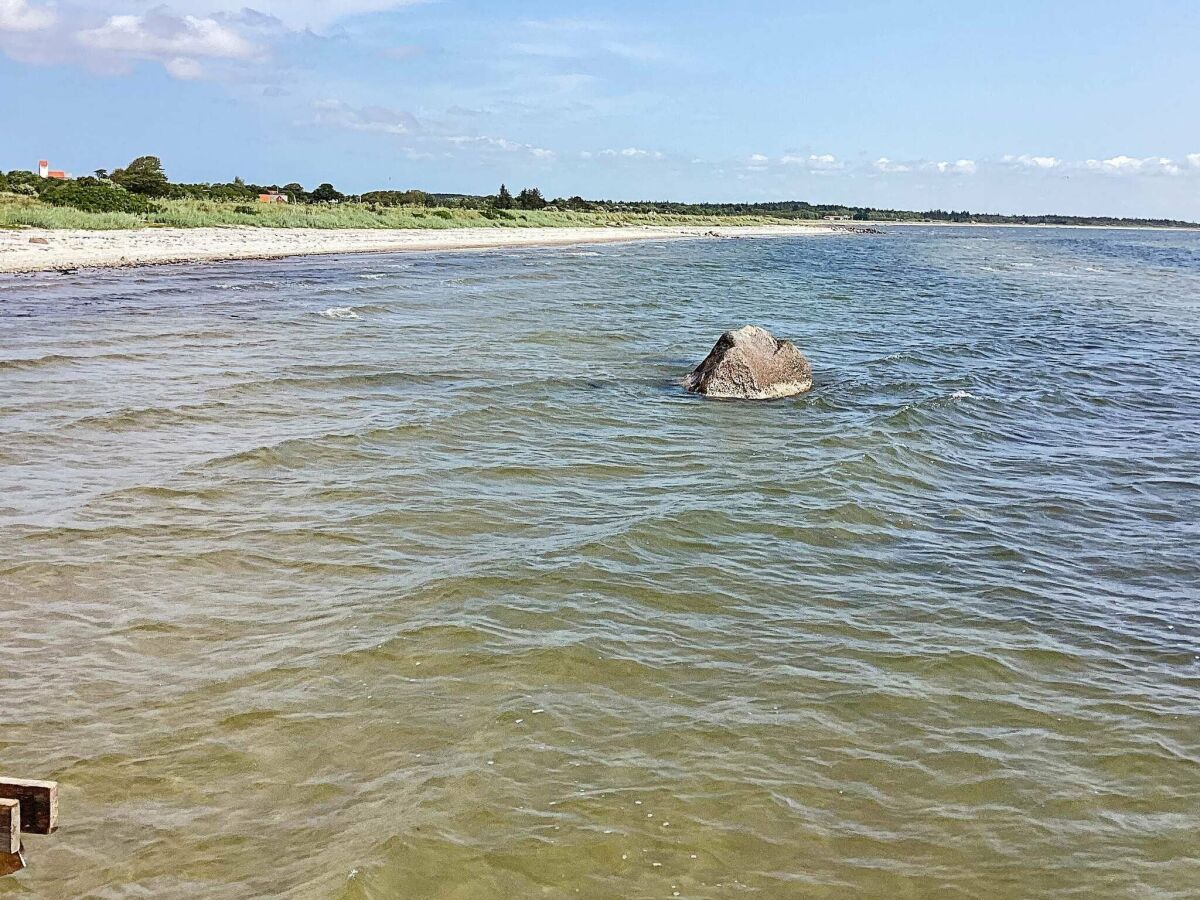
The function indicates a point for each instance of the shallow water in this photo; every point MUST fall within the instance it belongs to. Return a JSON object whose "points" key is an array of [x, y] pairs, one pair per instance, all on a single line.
{"points": [[419, 576]]}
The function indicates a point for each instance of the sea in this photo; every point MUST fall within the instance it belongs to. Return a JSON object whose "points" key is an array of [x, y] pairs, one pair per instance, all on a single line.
{"points": [[420, 576]]}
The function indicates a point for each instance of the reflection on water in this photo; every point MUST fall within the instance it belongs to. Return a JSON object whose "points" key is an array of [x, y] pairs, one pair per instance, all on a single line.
{"points": [[418, 576]]}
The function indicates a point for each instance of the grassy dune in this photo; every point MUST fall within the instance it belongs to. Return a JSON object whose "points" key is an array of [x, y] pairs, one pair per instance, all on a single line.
{"points": [[17, 212]]}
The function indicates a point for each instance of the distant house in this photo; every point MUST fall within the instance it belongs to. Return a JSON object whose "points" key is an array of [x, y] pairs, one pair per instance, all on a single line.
{"points": [[44, 171], [837, 218], [274, 197]]}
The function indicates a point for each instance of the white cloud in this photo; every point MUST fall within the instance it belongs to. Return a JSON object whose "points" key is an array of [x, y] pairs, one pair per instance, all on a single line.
{"points": [[883, 164], [159, 35], [184, 69], [1132, 165], [181, 35], [958, 167], [758, 158], [494, 143], [1115, 165], [19, 15], [425, 139], [376, 119], [632, 153], [74, 34], [295, 14], [820, 162], [1027, 161]]}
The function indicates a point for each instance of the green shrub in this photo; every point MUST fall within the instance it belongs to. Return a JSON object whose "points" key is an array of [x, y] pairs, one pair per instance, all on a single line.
{"points": [[99, 198], [144, 175], [245, 209], [443, 214]]}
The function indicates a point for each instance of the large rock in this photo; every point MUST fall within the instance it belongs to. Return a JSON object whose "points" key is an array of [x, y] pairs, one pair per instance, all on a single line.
{"points": [[750, 364]]}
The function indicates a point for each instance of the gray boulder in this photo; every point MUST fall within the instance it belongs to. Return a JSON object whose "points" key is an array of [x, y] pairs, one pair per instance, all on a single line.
{"points": [[750, 364]]}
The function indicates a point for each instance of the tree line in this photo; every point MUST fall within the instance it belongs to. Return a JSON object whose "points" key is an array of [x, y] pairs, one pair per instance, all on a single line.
{"points": [[134, 188]]}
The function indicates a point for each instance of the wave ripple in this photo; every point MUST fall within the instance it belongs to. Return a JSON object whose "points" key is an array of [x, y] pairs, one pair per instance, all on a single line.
{"points": [[419, 576]]}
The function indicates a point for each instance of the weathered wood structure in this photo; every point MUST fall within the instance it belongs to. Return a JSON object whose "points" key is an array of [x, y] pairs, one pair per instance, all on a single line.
{"points": [[26, 807]]}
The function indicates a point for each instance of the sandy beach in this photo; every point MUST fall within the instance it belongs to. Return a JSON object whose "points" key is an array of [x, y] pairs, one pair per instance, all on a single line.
{"points": [[36, 250]]}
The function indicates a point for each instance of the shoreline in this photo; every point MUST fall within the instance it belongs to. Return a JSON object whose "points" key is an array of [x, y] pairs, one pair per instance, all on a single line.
{"points": [[57, 250], [1041, 225]]}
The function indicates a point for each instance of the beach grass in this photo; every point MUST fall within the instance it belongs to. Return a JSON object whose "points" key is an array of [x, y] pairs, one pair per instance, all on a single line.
{"points": [[29, 212]]}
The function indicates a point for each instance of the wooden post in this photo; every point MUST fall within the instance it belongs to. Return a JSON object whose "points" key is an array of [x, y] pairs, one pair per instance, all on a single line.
{"points": [[39, 803], [10, 826], [11, 859]]}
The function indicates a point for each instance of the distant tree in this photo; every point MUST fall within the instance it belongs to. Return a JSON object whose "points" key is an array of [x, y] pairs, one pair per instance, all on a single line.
{"points": [[531, 198], [326, 193], [144, 175], [504, 200], [229, 191], [101, 174], [22, 177], [296, 191], [239, 181]]}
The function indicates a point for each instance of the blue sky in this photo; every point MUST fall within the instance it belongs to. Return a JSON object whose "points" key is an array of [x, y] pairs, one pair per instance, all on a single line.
{"points": [[1080, 107]]}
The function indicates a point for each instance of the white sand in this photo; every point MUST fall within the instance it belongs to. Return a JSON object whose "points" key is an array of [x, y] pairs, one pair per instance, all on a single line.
{"points": [[150, 246]]}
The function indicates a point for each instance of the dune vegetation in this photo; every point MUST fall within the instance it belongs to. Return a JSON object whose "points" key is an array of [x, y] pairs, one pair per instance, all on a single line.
{"points": [[18, 211], [141, 196]]}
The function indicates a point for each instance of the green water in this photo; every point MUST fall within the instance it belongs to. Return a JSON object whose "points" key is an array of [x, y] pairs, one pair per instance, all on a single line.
{"points": [[419, 576]]}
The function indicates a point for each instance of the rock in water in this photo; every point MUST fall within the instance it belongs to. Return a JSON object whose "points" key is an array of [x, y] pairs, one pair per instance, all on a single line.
{"points": [[750, 364]]}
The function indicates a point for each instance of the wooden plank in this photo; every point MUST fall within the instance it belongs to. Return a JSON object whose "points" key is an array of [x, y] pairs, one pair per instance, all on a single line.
{"points": [[10, 826], [39, 803], [11, 862]]}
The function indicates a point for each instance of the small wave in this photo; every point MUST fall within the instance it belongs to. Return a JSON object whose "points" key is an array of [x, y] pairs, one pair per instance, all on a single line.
{"points": [[59, 359], [35, 361], [340, 312], [373, 276], [963, 395]]}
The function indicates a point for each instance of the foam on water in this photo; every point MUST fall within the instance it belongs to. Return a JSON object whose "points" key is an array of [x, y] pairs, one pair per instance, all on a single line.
{"points": [[504, 612]]}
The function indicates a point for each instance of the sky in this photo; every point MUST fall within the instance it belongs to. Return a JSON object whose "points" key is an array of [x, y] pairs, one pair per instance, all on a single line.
{"points": [[1018, 107]]}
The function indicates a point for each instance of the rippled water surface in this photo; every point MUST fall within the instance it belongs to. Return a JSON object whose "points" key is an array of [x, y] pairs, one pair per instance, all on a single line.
{"points": [[419, 576]]}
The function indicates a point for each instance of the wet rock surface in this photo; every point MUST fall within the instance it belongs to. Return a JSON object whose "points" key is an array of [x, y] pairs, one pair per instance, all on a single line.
{"points": [[751, 364]]}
